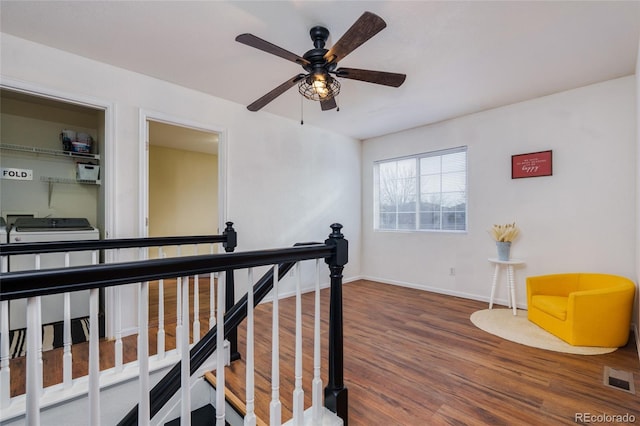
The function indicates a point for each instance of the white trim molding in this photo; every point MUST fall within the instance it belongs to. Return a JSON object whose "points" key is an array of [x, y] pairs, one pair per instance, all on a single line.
{"points": [[146, 115]]}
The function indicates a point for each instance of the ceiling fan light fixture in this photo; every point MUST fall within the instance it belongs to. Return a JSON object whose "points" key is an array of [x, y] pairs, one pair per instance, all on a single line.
{"points": [[319, 87]]}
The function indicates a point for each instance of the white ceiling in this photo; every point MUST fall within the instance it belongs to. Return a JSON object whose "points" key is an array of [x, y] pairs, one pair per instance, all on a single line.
{"points": [[459, 57]]}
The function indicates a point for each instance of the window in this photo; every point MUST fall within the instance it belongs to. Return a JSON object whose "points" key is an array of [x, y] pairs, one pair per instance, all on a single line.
{"points": [[422, 192]]}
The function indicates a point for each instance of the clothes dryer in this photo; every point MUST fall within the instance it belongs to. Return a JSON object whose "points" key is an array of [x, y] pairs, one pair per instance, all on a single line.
{"points": [[31, 230]]}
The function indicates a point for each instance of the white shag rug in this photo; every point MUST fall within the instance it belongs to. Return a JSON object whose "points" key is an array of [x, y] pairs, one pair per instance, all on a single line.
{"points": [[502, 323]]}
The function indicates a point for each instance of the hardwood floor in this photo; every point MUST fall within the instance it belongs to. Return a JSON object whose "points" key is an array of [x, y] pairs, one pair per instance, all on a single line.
{"points": [[52, 360], [413, 358]]}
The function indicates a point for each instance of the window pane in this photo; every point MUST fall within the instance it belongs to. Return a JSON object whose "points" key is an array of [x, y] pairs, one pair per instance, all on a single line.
{"points": [[386, 169], [454, 200], [453, 221], [430, 202], [430, 165], [387, 221], [430, 220], [453, 182], [430, 184], [408, 207], [406, 167], [407, 220], [456, 162]]}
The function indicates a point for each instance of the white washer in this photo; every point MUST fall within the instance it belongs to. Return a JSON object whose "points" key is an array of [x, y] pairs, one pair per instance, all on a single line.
{"points": [[30, 230]]}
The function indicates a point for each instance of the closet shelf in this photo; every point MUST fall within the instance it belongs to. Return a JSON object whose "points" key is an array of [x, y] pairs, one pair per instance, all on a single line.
{"points": [[51, 152], [51, 179]]}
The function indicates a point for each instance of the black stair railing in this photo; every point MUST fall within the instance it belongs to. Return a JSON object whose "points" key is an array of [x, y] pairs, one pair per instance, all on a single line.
{"points": [[335, 252], [228, 239], [17, 285]]}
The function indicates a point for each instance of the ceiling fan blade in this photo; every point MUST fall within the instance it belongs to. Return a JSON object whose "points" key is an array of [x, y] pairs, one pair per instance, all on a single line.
{"points": [[363, 29], [258, 104], [328, 104], [265, 46], [377, 77]]}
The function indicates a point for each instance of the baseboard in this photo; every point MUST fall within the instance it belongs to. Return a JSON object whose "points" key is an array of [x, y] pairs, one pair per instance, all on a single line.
{"points": [[285, 295], [353, 279], [439, 290]]}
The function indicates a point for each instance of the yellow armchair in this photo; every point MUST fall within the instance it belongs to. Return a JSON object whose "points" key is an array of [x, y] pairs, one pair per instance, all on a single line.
{"points": [[582, 309]]}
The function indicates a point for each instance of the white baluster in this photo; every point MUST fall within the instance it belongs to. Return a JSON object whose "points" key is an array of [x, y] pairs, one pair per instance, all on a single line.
{"points": [[39, 346], [250, 416], [94, 357], [298, 392], [33, 384], [212, 292], [220, 354], [38, 332], [275, 408], [185, 365], [118, 348], [179, 310], [161, 333], [317, 362], [196, 310], [5, 370], [179, 315], [67, 357], [94, 352], [144, 409], [143, 353]]}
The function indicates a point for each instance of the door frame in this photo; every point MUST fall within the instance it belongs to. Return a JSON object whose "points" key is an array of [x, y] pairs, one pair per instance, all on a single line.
{"points": [[107, 152], [107, 165], [143, 178]]}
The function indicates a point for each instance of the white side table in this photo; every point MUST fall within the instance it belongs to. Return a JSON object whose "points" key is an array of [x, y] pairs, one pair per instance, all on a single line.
{"points": [[512, 290]]}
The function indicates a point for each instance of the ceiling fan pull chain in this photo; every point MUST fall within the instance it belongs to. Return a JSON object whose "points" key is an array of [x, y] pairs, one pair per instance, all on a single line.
{"points": [[301, 110]]}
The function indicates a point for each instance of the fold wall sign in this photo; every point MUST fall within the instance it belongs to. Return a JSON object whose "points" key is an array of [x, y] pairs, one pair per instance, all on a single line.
{"points": [[16, 174], [532, 164]]}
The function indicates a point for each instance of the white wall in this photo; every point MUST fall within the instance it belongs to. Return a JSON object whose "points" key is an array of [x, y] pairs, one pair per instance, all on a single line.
{"points": [[580, 219], [285, 182]]}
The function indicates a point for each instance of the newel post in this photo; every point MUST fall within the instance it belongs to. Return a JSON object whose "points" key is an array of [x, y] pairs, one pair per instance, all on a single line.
{"points": [[229, 301], [335, 394]]}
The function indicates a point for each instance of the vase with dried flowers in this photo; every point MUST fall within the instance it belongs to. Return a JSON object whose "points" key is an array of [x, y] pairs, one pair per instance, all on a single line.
{"points": [[504, 235]]}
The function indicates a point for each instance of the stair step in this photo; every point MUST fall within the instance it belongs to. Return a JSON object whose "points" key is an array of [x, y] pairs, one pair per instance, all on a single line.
{"points": [[203, 416], [238, 405]]}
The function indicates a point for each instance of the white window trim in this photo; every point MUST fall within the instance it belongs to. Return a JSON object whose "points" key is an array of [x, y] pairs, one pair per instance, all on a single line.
{"points": [[376, 189]]}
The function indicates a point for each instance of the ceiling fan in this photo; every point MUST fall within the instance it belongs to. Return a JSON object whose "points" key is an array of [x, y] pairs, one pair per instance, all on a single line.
{"points": [[320, 64]]}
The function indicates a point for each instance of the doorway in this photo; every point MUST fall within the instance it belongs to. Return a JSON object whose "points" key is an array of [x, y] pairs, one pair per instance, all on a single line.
{"points": [[182, 172], [184, 181]]}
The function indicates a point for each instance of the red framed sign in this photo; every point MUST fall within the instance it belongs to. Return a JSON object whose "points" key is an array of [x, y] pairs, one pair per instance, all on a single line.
{"points": [[532, 164]]}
